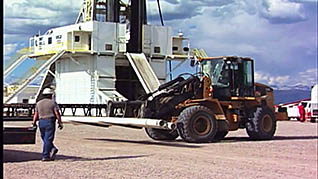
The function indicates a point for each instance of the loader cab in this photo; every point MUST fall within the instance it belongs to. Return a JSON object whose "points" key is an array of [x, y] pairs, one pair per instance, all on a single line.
{"points": [[230, 76]]}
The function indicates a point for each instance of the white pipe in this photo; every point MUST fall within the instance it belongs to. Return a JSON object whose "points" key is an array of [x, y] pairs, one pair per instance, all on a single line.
{"points": [[171, 125], [137, 122]]}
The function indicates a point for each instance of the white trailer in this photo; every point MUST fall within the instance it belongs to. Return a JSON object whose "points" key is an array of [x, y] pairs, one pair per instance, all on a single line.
{"points": [[292, 111], [314, 103]]}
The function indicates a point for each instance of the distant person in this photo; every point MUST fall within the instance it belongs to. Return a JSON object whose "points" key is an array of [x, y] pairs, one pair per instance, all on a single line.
{"points": [[301, 109], [47, 111]]}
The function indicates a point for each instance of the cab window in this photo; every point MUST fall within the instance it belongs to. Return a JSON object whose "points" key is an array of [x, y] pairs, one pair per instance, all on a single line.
{"points": [[248, 73]]}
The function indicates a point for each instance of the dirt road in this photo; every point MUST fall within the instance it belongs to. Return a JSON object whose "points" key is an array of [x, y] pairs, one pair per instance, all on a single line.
{"points": [[94, 152]]}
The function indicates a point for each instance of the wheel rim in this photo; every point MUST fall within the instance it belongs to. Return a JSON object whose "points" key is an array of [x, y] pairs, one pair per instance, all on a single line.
{"points": [[267, 123], [201, 125]]}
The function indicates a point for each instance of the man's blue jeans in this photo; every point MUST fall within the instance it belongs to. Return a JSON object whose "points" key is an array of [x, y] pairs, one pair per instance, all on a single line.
{"points": [[47, 129]]}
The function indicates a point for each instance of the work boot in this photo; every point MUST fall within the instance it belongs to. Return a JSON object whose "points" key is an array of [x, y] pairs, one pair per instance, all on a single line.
{"points": [[53, 153], [46, 159]]}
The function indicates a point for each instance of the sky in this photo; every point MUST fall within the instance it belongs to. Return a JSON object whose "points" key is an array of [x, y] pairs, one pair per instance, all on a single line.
{"points": [[280, 35]]}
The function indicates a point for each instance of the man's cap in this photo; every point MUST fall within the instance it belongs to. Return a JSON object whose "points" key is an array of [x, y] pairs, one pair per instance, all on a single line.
{"points": [[48, 91]]}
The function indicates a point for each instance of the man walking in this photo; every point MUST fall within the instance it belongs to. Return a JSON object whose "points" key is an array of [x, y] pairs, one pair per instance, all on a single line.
{"points": [[47, 111], [301, 109]]}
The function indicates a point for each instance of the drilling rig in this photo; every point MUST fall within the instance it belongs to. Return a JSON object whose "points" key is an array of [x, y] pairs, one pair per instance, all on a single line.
{"points": [[110, 54], [110, 68]]}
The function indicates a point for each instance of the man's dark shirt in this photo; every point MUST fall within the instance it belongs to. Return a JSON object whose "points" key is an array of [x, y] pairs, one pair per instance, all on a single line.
{"points": [[45, 108]]}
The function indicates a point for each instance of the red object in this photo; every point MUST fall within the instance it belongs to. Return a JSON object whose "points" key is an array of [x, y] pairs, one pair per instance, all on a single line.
{"points": [[302, 113], [308, 115]]}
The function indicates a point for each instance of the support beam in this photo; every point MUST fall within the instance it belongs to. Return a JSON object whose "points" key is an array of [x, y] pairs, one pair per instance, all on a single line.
{"points": [[112, 11], [46, 82], [137, 19]]}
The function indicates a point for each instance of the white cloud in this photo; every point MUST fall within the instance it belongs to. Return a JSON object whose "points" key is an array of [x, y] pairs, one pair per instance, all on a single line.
{"points": [[221, 27], [9, 48], [275, 11], [282, 11], [174, 10], [20, 39], [57, 5], [183, 9], [29, 16], [309, 77], [240, 34], [306, 78], [279, 80], [19, 11], [271, 80], [301, 1], [279, 49]]}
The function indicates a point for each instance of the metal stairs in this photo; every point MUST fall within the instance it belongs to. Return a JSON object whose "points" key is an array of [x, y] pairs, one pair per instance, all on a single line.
{"points": [[22, 86], [144, 72]]}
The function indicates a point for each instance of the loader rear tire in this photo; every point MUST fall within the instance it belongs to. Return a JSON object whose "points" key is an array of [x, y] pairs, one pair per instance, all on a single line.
{"points": [[197, 124], [160, 134], [263, 125]]}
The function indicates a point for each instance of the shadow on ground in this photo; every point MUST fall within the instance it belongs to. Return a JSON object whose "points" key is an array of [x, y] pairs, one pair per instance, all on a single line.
{"points": [[181, 143], [147, 142], [276, 138], [14, 156]]}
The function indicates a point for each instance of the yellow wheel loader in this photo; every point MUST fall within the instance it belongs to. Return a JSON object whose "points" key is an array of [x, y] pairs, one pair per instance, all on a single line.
{"points": [[221, 97]]}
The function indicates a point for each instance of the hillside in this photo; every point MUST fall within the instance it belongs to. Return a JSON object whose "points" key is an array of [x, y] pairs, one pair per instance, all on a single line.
{"points": [[285, 96]]}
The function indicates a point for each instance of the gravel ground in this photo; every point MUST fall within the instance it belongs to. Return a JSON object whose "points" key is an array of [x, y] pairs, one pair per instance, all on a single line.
{"points": [[94, 152]]}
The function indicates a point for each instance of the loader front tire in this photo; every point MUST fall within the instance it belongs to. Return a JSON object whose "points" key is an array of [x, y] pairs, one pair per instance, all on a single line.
{"points": [[197, 124], [263, 125], [223, 129]]}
